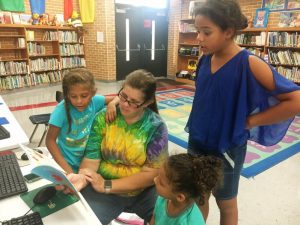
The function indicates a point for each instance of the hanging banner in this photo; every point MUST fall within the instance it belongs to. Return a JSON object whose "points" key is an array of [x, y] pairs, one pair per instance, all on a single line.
{"points": [[68, 9], [87, 10], [37, 6], [12, 5]]}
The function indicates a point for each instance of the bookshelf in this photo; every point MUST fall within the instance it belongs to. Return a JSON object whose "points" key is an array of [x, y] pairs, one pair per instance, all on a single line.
{"points": [[278, 46], [33, 55], [188, 50]]}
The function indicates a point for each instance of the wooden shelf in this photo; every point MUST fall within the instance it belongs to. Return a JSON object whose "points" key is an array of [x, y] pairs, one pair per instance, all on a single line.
{"points": [[45, 41], [13, 36], [43, 55], [14, 58], [15, 48], [186, 81], [189, 44], [266, 50]]}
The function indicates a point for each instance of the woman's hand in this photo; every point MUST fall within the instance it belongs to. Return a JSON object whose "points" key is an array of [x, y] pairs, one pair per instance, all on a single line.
{"points": [[95, 179], [78, 180]]}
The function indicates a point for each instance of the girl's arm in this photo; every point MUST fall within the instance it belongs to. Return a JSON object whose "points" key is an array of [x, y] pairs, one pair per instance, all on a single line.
{"points": [[111, 103], [289, 105], [152, 221], [54, 149]]}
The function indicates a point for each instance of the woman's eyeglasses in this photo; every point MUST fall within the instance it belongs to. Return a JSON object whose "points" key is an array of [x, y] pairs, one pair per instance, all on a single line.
{"points": [[124, 98]]}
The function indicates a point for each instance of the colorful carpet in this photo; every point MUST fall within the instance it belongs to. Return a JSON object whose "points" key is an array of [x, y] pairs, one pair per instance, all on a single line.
{"points": [[175, 105]]}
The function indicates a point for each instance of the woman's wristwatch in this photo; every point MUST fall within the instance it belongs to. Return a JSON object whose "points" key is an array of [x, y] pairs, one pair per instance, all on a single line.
{"points": [[107, 186]]}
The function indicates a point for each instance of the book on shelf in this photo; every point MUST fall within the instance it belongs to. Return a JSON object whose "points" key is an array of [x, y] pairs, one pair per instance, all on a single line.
{"points": [[25, 18], [16, 18], [30, 35], [1, 17], [7, 17]]}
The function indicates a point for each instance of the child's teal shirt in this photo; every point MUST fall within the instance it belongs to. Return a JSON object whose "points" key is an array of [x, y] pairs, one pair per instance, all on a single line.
{"points": [[72, 144], [192, 215]]}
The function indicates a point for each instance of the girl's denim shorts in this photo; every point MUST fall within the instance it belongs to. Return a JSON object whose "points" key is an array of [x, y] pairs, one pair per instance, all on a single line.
{"points": [[232, 166]]}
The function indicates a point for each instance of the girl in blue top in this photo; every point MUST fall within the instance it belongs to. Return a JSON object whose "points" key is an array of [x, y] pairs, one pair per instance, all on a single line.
{"points": [[182, 179], [71, 120], [238, 97]]}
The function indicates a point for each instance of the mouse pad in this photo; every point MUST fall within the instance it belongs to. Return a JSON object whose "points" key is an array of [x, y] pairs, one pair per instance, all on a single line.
{"points": [[59, 201]]}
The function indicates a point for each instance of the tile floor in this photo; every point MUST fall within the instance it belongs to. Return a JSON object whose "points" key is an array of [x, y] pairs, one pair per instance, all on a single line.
{"points": [[270, 198]]}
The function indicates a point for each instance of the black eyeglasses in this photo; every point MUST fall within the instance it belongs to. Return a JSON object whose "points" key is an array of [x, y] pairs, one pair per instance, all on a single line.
{"points": [[124, 98]]}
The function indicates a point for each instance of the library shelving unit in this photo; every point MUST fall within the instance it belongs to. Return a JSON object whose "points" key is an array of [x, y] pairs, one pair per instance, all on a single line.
{"points": [[35, 54], [188, 50], [278, 46]]}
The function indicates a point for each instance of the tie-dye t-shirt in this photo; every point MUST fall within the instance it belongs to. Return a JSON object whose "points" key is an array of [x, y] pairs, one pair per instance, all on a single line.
{"points": [[124, 149]]}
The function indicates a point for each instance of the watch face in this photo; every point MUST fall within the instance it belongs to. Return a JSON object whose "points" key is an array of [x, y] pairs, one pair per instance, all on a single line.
{"points": [[107, 185]]}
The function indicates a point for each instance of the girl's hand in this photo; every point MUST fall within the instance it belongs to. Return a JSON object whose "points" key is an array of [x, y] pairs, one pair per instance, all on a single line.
{"points": [[95, 179], [111, 112]]}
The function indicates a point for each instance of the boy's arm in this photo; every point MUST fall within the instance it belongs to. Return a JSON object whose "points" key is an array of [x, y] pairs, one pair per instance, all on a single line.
{"points": [[54, 149], [111, 103]]}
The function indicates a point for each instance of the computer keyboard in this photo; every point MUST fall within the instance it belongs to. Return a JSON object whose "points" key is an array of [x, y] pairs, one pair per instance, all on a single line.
{"points": [[4, 133], [11, 177], [30, 219]]}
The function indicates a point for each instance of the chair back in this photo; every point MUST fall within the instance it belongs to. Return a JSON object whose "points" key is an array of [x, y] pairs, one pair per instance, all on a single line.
{"points": [[59, 96]]}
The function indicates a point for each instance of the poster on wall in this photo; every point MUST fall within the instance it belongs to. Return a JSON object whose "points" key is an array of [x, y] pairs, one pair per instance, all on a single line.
{"points": [[281, 5], [261, 18], [293, 4], [274, 4]]}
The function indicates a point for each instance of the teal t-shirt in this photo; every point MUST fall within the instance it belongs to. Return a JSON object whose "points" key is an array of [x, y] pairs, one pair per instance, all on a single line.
{"points": [[72, 144], [191, 215]]}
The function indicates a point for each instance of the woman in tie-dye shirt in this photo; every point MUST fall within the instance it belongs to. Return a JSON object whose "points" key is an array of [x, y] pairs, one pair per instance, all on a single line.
{"points": [[123, 157]]}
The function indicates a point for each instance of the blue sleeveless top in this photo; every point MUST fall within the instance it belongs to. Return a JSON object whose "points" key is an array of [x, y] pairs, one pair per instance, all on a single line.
{"points": [[225, 99]]}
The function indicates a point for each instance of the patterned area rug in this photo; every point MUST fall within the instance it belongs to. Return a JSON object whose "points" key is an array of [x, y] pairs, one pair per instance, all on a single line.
{"points": [[175, 105]]}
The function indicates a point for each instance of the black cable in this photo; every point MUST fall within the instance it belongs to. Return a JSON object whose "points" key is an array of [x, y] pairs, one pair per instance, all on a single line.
{"points": [[29, 210]]}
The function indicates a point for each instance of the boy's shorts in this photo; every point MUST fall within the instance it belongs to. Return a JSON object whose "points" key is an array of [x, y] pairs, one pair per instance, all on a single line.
{"points": [[229, 186]]}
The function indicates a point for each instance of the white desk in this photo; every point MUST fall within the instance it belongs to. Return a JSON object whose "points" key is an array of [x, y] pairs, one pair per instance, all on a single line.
{"points": [[78, 213], [17, 134]]}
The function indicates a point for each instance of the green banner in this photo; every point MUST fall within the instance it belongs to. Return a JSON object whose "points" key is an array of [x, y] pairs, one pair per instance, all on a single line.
{"points": [[12, 5]]}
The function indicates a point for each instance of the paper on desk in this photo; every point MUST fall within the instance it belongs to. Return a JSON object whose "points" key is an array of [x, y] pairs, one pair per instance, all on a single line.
{"points": [[47, 168]]}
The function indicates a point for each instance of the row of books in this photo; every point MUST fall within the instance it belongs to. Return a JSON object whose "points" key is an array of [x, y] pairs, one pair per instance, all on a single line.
{"points": [[257, 51], [69, 50], [67, 36], [16, 18], [187, 28], [251, 39], [50, 36], [35, 48], [283, 39], [12, 82], [284, 57], [292, 74], [41, 64], [10, 68], [72, 62]]}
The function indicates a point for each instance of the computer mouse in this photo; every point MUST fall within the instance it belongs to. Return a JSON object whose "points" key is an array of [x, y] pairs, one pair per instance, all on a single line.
{"points": [[44, 195], [24, 157]]}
